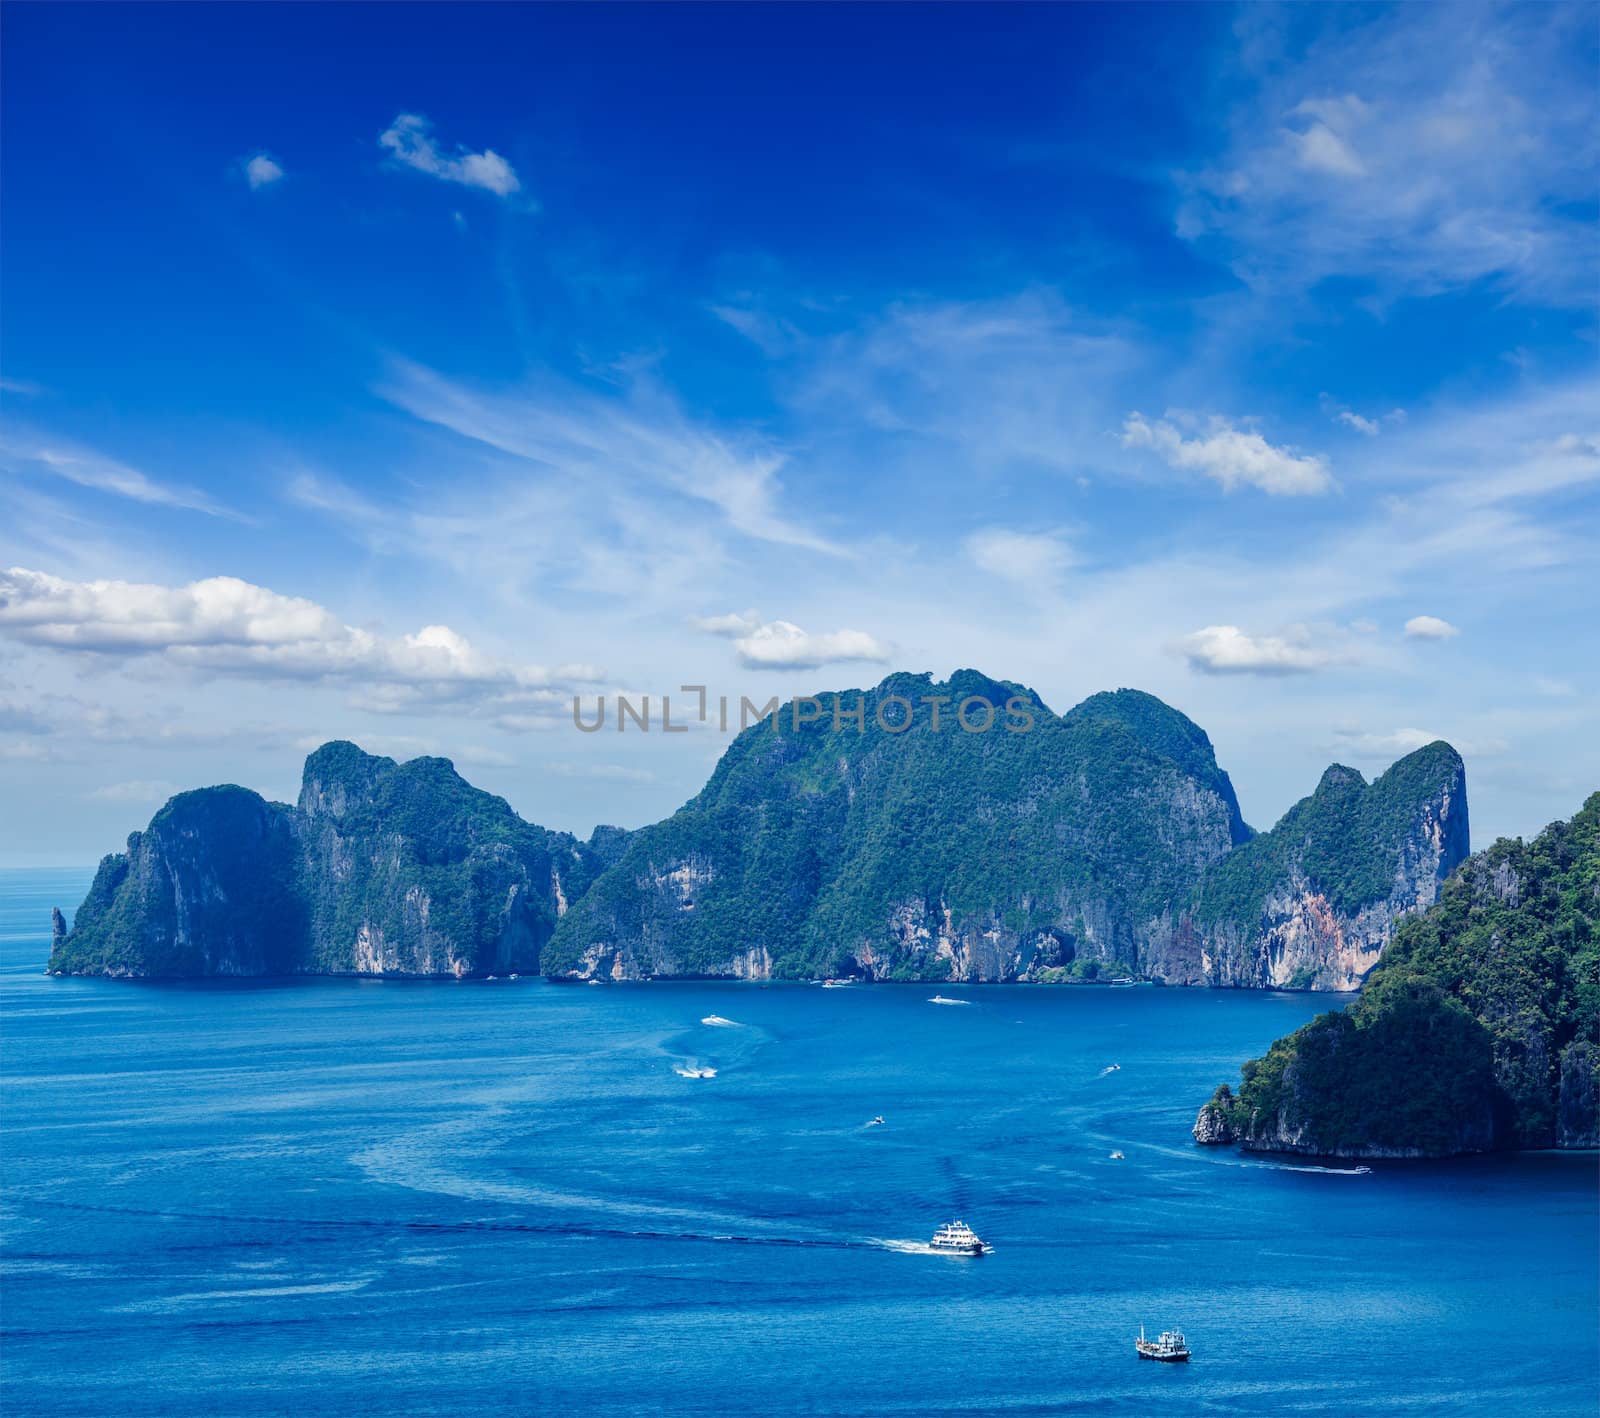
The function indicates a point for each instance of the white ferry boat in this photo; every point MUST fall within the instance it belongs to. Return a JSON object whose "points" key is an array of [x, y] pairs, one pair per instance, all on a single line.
{"points": [[1169, 1349], [959, 1238]]}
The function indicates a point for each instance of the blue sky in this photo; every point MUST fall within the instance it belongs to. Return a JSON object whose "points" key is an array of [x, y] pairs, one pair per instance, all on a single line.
{"points": [[396, 373]]}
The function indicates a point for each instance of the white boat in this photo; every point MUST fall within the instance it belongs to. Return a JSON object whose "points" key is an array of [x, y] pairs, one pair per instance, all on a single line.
{"points": [[831, 984], [958, 1238], [877, 1122], [945, 999], [1169, 1349], [1117, 1157]]}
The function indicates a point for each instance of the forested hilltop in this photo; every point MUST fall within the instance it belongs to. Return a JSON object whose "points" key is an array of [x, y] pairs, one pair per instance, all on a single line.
{"points": [[1103, 841], [1476, 1031]]}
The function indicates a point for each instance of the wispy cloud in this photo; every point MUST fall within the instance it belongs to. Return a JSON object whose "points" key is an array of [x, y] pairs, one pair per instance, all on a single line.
{"points": [[1033, 560], [1231, 456], [631, 438], [39, 453], [410, 141], [1421, 149], [135, 790]]}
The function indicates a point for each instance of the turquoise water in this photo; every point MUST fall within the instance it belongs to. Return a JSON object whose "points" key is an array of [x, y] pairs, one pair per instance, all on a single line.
{"points": [[339, 1197]]}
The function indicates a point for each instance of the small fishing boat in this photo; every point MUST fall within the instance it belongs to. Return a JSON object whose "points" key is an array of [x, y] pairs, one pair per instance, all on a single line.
{"points": [[1169, 1349], [1117, 1157], [877, 1122]]}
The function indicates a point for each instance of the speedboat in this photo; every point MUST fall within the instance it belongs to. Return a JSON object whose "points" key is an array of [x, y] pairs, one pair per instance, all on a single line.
{"points": [[1169, 1349], [1117, 1157], [958, 1238], [877, 1122]]}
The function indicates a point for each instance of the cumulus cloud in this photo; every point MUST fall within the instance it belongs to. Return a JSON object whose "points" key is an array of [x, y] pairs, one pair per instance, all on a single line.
{"points": [[1227, 650], [1034, 559], [261, 171], [782, 645], [1231, 456], [223, 625], [409, 139], [1430, 627]]}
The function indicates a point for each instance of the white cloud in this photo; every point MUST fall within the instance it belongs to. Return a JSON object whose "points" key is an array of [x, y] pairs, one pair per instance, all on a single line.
{"points": [[410, 139], [261, 171], [782, 645], [226, 626], [617, 442], [1029, 559], [1227, 650], [83, 466], [1410, 150], [1430, 627], [25, 387], [1230, 455], [1371, 427], [733, 625], [1554, 688], [136, 790]]}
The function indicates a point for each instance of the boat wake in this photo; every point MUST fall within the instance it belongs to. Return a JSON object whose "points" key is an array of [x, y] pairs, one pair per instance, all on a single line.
{"points": [[693, 1071], [1330, 1171], [718, 1022], [941, 999], [918, 1248], [1110, 1068]]}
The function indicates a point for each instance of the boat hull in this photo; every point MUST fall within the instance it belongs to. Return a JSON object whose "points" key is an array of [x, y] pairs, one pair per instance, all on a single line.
{"points": [[976, 1249], [1182, 1358]]}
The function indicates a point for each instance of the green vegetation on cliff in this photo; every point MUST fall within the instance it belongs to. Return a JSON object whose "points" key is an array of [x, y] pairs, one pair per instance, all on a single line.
{"points": [[1476, 1030], [829, 848], [382, 868], [1345, 839]]}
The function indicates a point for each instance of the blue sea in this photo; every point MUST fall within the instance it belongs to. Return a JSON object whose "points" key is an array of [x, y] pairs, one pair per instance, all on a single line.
{"points": [[343, 1197]]}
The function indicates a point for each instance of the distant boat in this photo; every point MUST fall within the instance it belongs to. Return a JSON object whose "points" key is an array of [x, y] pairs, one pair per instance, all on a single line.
{"points": [[877, 1122], [958, 1238], [943, 999], [1123, 982], [695, 1071], [831, 984], [1169, 1349], [1118, 1157]]}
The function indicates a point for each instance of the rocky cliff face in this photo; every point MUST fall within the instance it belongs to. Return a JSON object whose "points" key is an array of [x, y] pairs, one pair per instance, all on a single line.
{"points": [[954, 831], [919, 850], [207, 889], [1478, 1029], [1105, 840], [381, 868], [1311, 904]]}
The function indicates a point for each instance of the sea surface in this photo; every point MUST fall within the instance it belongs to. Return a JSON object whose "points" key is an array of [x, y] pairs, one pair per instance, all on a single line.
{"points": [[343, 1197]]}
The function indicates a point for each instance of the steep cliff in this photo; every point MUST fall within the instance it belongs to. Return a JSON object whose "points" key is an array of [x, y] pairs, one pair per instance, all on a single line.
{"points": [[932, 831], [1077, 846], [1478, 1029], [382, 868], [1312, 903], [209, 888]]}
